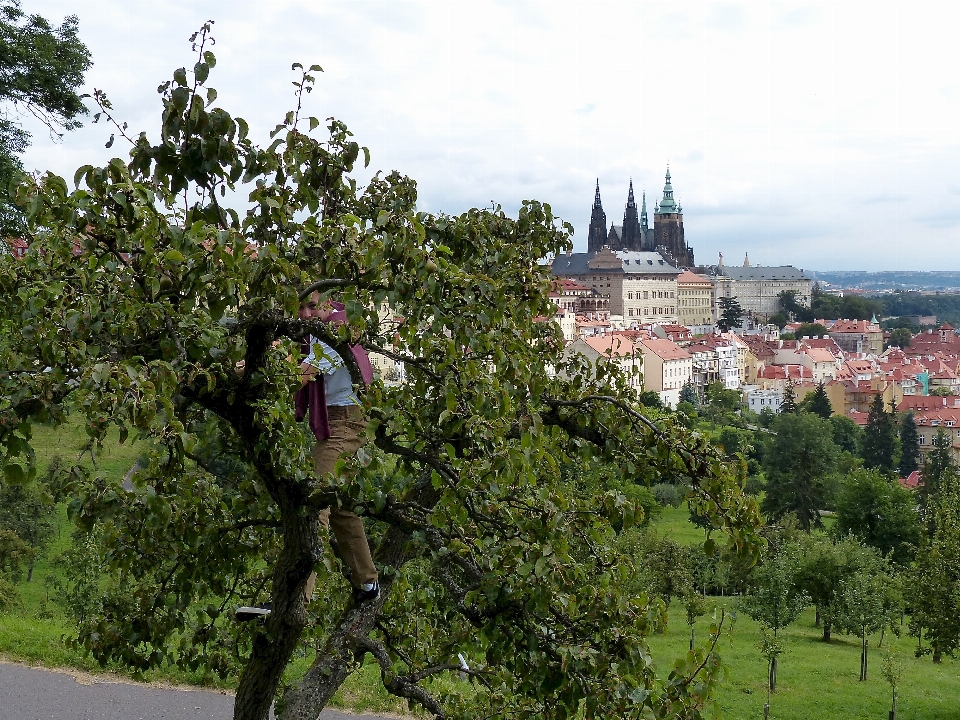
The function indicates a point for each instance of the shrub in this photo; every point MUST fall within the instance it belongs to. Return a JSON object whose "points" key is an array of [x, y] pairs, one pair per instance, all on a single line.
{"points": [[667, 495]]}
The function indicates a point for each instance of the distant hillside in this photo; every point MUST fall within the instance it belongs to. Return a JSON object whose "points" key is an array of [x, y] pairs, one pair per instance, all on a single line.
{"points": [[942, 281]]}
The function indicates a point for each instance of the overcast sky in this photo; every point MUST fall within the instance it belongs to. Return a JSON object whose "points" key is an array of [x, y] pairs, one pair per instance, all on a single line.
{"points": [[823, 135]]}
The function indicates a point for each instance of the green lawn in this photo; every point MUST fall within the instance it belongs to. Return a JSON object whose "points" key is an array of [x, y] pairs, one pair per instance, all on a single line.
{"points": [[674, 524], [816, 680]]}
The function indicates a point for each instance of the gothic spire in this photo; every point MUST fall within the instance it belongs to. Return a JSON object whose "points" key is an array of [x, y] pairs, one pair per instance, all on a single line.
{"points": [[643, 212], [632, 237], [597, 235]]}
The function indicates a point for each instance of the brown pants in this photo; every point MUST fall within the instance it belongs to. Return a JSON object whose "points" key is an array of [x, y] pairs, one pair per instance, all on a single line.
{"points": [[346, 437]]}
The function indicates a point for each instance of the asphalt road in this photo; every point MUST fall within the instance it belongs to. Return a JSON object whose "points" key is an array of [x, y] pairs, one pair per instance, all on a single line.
{"points": [[35, 694]]}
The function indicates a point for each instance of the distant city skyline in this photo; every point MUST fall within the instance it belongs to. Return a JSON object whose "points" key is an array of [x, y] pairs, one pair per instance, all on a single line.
{"points": [[821, 135]]}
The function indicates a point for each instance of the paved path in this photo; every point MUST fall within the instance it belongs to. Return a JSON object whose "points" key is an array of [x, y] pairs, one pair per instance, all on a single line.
{"points": [[28, 693]]}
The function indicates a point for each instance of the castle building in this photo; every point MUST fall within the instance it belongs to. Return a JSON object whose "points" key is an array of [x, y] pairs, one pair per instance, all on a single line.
{"points": [[757, 288], [640, 287], [635, 234]]}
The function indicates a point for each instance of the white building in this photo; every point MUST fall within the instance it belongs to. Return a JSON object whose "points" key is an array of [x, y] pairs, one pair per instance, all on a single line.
{"points": [[727, 370], [667, 367], [760, 400]]}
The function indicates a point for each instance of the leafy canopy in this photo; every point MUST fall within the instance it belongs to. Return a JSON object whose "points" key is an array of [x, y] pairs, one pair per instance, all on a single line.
{"points": [[797, 462], [139, 298], [41, 68]]}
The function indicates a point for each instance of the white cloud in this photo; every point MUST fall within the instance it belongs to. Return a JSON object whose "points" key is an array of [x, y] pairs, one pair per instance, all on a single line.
{"points": [[820, 134]]}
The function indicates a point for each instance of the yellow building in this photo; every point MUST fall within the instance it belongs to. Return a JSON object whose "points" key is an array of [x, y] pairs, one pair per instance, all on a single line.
{"points": [[694, 300]]}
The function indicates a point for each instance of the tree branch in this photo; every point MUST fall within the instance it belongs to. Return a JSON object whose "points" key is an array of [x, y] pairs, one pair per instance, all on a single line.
{"points": [[404, 686]]}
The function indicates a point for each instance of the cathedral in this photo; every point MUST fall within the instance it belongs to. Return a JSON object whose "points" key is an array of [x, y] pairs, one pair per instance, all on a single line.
{"points": [[665, 237]]}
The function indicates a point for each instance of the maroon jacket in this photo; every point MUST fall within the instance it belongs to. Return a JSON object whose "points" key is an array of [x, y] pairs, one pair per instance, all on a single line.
{"points": [[311, 398]]}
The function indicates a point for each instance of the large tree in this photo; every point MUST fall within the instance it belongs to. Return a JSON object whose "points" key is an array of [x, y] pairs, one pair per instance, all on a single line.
{"points": [[909, 446], [789, 404], [818, 402], [41, 68], [825, 565], [847, 435], [881, 445], [171, 317], [934, 579], [938, 471], [880, 512], [800, 457], [731, 314]]}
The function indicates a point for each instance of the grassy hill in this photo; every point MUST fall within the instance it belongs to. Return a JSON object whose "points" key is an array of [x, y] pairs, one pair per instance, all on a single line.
{"points": [[816, 680]]}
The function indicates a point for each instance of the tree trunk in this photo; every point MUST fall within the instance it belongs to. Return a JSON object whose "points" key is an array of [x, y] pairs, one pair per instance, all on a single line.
{"points": [[816, 619], [863, 657], [893, 708], [826, 631], [338, 658], [274, 644], [937, 655], [772, 680], [30, 570], [692, 638]]}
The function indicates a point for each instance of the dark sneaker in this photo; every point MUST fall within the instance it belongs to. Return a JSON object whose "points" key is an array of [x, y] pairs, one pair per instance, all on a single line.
{"points": [[245, 613], [367, 593]]}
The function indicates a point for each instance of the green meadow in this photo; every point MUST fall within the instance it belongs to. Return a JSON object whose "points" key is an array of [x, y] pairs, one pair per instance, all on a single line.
{"points": [[816, 680]]}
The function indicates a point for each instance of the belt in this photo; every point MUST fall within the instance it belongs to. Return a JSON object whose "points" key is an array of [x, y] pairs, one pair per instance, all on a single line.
{"points": [[344, 412]]}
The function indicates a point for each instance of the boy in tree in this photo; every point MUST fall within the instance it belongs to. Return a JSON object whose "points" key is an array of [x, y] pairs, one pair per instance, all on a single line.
{"points": [[327, 401]]}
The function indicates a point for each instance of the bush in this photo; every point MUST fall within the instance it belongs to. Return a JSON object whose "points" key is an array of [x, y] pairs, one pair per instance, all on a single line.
{"points": [[9, 599], [667, 495], [755, 485], [644, 498]]}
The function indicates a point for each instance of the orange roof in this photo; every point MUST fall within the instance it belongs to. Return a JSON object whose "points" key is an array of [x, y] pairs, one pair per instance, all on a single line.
{"points": [[854, 326], [938, 417], [927, 402], [665, 349], [819, 355], [615, 345], [689, 277], [568, 285], [785, 372]]}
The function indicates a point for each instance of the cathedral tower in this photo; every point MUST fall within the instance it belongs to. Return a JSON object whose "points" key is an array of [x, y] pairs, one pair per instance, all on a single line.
{"points": [[668, 227], [597, 236], [632, 238]]}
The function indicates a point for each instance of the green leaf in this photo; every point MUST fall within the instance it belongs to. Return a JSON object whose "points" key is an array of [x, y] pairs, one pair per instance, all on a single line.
{"points": [[180, 77]]}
